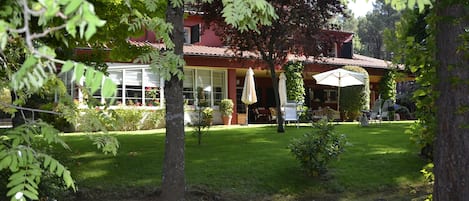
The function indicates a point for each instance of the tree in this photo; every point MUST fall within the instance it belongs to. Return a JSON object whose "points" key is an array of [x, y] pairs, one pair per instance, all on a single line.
{"points": [[451, 54], [296, 31], [413, 44], [371, 29], [173, 184], [28, 67], [451, 158]]}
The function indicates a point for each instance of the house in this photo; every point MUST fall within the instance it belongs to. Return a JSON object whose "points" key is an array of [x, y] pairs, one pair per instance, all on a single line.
{"points": [[210, 67]]}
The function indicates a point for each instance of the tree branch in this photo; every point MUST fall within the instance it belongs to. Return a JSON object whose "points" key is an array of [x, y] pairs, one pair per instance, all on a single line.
{"points": [[49, 30]]}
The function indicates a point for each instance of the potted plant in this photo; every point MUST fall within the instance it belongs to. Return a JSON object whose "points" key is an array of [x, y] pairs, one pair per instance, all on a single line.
{"points": [[226, 110], [207, 116]]}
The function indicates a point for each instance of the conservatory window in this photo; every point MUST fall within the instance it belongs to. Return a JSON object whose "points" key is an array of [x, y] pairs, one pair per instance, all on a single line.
{"points": [[206, 86], [133, 87]]}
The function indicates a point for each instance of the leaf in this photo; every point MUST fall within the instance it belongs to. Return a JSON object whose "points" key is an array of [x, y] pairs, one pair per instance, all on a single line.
{"points": [[31, 195], [89, 76], [5, 162], [96, 82], [72, 6], [79, 70], [68, 180], [90, 31], [109, 88], [47, 160]]}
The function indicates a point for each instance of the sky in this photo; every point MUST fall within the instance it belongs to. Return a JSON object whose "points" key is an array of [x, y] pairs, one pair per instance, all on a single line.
{"points": [[360, 7]]}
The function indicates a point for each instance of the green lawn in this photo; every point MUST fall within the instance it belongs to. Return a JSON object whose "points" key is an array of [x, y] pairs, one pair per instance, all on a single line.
{"points": [[253, 160]]}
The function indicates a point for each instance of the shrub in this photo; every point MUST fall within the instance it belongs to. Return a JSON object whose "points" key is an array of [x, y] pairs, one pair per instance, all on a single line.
{"points": [[353, 99], [58, 121], [153, 119], [94, 119], [315, 149], [226, 107], [127, 119]]}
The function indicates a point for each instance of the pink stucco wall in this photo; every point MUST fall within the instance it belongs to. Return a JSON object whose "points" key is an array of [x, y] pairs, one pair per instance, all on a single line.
{"points": [[208, 37]]}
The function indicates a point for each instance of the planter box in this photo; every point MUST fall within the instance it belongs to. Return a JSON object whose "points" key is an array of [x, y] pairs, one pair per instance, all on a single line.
{"points": [[241, 118]]}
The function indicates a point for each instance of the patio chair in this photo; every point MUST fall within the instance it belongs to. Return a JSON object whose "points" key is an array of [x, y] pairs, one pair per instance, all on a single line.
{"points": [[385, 109], [273, 114], [376, 112], [291, 113], [261, 114]]}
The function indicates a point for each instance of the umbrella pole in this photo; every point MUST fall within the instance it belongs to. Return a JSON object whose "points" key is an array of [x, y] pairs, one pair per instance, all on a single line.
{"points": [[338, 98], [247, 113]]}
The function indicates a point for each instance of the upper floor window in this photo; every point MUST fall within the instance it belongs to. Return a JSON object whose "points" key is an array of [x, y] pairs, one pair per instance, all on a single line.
{"points": [[192, 34]]}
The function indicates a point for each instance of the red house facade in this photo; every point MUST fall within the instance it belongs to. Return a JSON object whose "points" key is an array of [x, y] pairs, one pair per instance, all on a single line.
{"points": [[212, 69]]}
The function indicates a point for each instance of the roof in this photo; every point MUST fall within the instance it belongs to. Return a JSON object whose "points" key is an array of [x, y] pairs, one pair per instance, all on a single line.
{"points": [[199, 50], [357, 60]]}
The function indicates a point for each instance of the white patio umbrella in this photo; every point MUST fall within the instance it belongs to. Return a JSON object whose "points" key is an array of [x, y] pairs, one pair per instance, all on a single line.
{"points": [[282, 89], [339, 78], [249, 91]]}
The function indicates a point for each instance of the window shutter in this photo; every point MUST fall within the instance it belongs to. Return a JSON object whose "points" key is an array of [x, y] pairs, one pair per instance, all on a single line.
{"points": [[346, 50], [195, 34]]}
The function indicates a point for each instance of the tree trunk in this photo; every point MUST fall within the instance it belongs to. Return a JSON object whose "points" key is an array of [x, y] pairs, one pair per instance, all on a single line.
{"points": [[280, 119], [452, 142], [173, 181]]}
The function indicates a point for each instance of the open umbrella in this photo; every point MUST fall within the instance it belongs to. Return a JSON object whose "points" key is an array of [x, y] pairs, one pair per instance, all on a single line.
{"points": [[282, 89], [249, 91], [339, 78]]}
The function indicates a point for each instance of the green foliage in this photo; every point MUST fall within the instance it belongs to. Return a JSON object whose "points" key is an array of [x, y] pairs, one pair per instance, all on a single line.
{"points": [[127, 119], [353, 99], [25, 163], [58, 121], [226, 107], [365, 93], [165, 64], [414, 44], [371, 28], [153, 119], [247, 15], [351, 102], [295, 84], [93, 120], [314, 150], [106, 143], [387, 86], [202, 122]]}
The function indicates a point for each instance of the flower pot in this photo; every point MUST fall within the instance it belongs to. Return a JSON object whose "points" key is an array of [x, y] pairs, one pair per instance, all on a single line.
{"points": [[227, 120]]}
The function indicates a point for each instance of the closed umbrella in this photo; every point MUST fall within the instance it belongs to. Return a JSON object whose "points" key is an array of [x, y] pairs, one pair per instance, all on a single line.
{"points": [[249, 91], [282, 89], [339, 78]]}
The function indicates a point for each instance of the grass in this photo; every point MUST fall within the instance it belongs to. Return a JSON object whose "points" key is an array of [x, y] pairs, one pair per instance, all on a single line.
{"points": [[254, 160]]}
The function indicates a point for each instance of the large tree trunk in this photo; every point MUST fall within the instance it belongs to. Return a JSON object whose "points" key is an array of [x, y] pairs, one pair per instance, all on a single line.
{"points": [[452, 141], [173, 184]]}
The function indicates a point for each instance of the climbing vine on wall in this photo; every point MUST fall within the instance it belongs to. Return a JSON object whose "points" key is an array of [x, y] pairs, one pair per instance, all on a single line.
{"points": [[295, 84]]}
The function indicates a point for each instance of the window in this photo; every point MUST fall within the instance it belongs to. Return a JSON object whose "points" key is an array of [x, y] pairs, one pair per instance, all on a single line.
{"points": [[137, 87], [116, 77], [203, 84], [192, 34], [187, 35], [133, 87]]}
